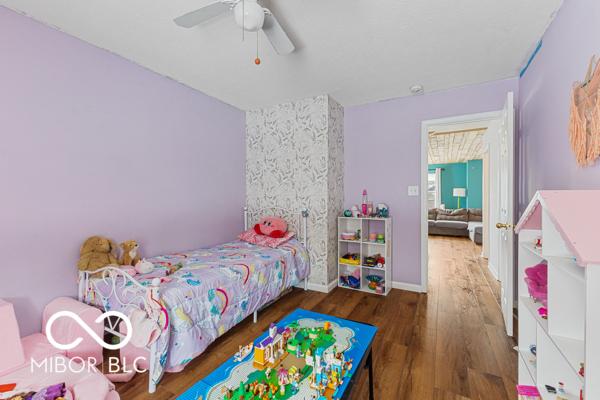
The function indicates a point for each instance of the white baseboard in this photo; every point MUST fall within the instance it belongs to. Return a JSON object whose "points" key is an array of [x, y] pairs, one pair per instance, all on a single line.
{"points": [[411, 287], [318, 287], [493, 270]]}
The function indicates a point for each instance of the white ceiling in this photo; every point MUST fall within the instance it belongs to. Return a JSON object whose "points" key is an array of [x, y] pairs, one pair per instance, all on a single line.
{"points": [[358, 51], [456, 147]]}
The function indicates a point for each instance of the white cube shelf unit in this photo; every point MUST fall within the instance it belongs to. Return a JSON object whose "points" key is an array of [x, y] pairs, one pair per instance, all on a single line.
{"points": [[566, 222], [365, 248]]}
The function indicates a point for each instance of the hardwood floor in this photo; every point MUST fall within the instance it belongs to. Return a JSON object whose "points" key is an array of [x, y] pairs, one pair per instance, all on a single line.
{"points": [[447, 345]]}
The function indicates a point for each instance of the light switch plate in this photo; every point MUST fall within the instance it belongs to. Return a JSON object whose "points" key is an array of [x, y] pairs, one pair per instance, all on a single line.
{"points": [[413, 190]]}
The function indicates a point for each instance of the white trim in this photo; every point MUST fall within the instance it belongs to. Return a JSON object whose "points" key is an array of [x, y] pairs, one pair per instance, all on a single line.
{"points": [[425, 126], [493, 270], [316, 287], [411, 287]]}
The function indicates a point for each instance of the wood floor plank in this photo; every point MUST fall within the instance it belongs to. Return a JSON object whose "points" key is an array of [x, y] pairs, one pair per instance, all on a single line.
{"points": [[446, 345]]}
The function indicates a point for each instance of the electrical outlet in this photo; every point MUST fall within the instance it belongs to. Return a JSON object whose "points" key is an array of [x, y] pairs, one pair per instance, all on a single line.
{"points": [[413, 190]]}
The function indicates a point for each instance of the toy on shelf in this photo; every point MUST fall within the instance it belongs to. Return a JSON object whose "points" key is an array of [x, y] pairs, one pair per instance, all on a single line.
{"points": [[383, 211], [582, 370], [349, 236], [561, 394], [533, 349], [350, 258], [550, 389], [372, 237], [537, 282], [355, 211], [347, 213], [351, 280], [374, 261], [380, 238], [543, 312], [528, 393], [364, 205], [375, 281]]}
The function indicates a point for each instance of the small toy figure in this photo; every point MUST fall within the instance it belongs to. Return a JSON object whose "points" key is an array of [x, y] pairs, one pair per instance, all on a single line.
{"points": [[243, 352], [228, 392], [582, 369], [383, 211], [561, 395]]}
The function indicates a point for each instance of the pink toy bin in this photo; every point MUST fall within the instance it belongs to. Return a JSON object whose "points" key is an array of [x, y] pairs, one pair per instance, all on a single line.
{"points": [[66, 330]]}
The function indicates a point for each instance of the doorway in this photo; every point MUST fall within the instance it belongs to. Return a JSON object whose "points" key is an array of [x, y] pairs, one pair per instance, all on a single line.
{"points": [[449, 146]]}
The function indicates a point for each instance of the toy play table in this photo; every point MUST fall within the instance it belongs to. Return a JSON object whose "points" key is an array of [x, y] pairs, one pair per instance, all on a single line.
{"points": [[304, 356]]}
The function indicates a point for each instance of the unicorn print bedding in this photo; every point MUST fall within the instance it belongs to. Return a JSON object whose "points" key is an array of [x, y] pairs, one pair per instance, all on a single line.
{"points": [[211, 291]]}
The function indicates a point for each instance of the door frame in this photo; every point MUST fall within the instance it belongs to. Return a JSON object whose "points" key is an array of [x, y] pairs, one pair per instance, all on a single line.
{"points": [[425, 127]]}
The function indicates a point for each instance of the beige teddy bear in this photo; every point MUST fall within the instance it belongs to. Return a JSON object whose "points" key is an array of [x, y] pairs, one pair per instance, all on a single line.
{"points": [[95, 253]]}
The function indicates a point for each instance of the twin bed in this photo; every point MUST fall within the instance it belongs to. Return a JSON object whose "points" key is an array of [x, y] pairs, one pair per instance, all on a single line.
{"points": [[212, 290]]}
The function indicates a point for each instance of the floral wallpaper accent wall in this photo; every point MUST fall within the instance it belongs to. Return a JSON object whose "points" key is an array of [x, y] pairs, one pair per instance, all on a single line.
{"points": [[294, 160], [335, 182]]}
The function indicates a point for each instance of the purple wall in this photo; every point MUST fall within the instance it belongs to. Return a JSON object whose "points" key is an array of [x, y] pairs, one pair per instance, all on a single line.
{"points": [[93, 144], [382, 153], [547, 161]]}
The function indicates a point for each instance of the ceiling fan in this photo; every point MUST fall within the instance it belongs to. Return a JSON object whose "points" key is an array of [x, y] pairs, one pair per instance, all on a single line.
{"points": [[249, 15]]}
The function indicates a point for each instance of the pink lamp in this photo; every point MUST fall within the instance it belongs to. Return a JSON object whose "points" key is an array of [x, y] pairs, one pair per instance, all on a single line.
{"points": [[11, 350]]}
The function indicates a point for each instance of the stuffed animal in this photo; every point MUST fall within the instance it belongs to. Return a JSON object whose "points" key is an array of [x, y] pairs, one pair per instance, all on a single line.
{"points": [[95, 253], [130, 253], [271, 226], [144, 267]]}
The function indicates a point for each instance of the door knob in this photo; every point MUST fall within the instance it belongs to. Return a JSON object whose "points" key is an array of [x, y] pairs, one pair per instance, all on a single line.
{"points": [[500, 225]]}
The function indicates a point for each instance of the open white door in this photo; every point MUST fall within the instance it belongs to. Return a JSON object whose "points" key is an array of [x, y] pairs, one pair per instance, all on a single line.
{"points": [[506, 216]]}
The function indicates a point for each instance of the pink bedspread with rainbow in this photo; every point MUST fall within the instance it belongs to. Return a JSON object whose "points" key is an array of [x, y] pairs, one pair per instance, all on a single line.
{"points": [[216, 288]]}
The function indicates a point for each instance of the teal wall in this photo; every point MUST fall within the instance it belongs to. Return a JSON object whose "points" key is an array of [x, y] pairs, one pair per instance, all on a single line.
{"points": [[465, 175], [474, 183], [453, 175]]}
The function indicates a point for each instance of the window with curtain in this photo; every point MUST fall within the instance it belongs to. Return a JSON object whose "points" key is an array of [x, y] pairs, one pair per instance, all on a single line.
{"points": [[433, 188]]}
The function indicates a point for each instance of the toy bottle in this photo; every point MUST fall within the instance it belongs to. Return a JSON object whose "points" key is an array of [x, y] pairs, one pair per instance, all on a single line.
{"points": [[364, 203]]}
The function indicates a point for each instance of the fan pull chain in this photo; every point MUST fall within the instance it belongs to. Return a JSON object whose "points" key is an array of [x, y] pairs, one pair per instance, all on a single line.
{"points": [[257, 59]]}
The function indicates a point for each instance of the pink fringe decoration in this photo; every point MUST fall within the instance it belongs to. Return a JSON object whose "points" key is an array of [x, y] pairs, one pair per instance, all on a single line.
{"points": [[584, 126]]}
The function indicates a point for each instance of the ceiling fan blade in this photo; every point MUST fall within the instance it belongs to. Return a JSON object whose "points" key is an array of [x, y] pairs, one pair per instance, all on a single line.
{"points": [[277, 36], [201, 15]]}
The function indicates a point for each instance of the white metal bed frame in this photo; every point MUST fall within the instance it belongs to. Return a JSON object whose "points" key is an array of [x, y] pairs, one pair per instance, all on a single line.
{"points": [[149, 296]]}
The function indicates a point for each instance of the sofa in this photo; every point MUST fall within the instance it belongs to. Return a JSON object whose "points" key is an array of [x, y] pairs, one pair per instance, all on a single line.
{"points": [[462, 222]]}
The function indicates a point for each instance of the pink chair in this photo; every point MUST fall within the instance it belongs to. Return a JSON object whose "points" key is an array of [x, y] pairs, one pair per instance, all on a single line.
{"points": [[65, 330], [17, 354], [10, 342]]}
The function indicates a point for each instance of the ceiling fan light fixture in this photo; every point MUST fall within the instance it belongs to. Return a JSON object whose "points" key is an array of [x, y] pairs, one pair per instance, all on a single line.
{"points": [[249, 15]]}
